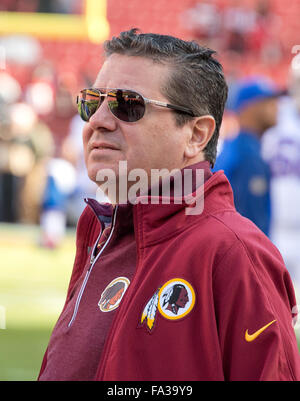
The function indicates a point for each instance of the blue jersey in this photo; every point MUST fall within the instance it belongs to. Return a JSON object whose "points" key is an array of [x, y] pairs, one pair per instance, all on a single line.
{"points": [[249, 176]]}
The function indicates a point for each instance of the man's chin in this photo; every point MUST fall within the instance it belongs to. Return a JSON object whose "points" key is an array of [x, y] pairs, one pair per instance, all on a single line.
{"points": [[100, 173], [92, 176]]}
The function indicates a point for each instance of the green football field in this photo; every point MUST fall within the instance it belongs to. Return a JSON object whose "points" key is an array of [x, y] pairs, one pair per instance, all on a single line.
{"points": [[33, 285]]}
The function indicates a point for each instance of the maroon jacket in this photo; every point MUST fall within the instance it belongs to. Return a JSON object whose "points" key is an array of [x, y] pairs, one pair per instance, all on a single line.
{"points": [[210, 298]]}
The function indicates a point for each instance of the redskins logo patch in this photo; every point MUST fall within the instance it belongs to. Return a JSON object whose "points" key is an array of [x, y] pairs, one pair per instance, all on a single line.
{"points": [[174, 300], [113, 294]]}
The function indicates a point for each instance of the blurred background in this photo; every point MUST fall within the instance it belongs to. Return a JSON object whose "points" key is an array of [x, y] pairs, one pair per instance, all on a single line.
{"points": [[49, 50]]}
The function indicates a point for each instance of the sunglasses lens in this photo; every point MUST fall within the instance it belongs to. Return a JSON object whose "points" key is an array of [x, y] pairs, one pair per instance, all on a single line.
{"points": [[88, 102], [126, 105]]}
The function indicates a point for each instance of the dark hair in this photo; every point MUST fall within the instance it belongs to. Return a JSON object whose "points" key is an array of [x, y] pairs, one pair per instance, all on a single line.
{"points": [[197, 81], [176, 292], [172, 296]]}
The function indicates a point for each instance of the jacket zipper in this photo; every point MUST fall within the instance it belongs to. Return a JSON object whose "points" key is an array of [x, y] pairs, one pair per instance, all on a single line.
{"points": [[107, 344], [92, 264]]}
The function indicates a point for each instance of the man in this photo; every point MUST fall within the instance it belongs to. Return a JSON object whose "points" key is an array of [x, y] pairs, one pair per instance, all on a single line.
{"points": [[173, 96], [241, 159]]}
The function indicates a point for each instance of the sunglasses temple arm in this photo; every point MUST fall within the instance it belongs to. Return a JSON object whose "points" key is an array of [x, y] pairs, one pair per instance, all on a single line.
{"points": [[170, 106]]}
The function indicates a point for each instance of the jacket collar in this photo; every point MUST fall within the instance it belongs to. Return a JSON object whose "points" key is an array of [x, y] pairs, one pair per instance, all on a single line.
{"points": [[154, 219], [159, 221], [104, 213]]}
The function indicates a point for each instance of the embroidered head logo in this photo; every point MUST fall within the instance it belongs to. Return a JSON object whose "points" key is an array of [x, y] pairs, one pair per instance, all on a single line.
{"points": [[174, 300], [113, 294]]}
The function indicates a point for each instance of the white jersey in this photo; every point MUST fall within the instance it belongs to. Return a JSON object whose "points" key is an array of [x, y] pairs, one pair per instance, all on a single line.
{"points": [[281, 149]]}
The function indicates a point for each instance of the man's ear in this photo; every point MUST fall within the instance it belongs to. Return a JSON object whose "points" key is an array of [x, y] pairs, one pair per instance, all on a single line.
{"points": [[202, 129]]}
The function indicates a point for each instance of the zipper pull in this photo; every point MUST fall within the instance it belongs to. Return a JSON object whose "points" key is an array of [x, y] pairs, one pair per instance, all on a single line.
{"points": [[93, 257]]}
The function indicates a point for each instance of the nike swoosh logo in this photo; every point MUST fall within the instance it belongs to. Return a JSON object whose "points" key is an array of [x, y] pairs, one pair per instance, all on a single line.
{"points": [[251, 337]]}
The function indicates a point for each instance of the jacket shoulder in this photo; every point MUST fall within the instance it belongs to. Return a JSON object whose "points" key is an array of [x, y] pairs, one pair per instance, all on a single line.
{"points": [[242, 250], [228, 230]]}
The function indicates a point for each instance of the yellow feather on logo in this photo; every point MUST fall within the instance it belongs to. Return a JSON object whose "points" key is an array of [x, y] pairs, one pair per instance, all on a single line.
{"points": [[150, 310]]}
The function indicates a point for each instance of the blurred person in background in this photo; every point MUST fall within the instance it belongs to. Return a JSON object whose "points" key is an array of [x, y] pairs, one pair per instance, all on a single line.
{"points": [[31, 148], [60, 184], [240, 158], [281, 149], [25, 147], [8, 181], [25, 144], [10, 92]]}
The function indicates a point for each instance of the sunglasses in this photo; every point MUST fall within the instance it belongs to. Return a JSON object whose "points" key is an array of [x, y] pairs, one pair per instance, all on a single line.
{"points": [[126, 105]]}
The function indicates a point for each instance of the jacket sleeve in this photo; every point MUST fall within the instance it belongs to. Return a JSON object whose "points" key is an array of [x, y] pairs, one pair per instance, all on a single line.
{"points": [[254, 299]]}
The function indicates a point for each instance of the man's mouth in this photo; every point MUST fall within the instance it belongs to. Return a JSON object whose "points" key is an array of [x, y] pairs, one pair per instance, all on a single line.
{"points": [[103, 146]]}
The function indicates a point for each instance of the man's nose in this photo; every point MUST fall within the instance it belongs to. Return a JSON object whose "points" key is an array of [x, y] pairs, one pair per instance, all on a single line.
{"points": [[103, 118]]}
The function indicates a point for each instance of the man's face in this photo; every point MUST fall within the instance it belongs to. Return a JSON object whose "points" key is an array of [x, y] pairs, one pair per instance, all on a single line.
{"points": [[154, 142], [266, 113], [183, 298]]}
